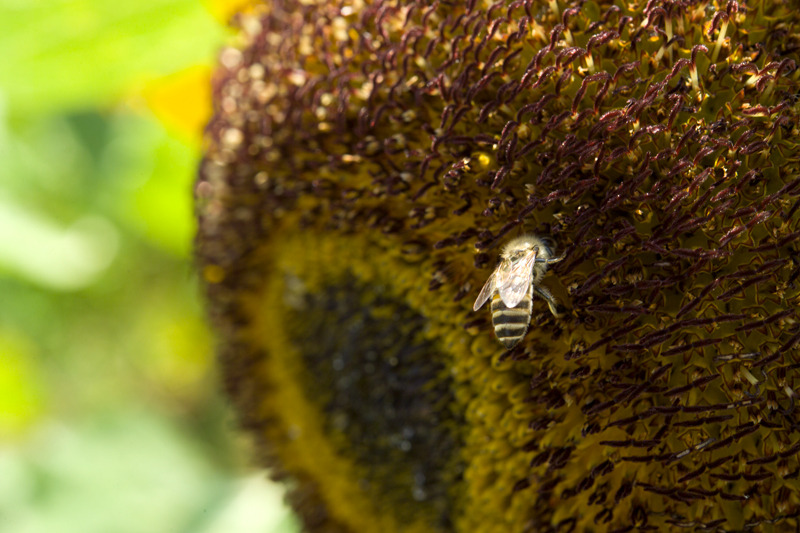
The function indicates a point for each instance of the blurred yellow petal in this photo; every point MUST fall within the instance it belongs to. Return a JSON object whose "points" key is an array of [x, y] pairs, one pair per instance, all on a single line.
{"points": [[223, 10], [182, 101], [21, 394]]}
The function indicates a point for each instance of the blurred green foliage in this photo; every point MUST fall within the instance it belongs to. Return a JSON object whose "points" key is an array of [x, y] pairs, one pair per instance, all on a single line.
{"points": [[110, 415]]}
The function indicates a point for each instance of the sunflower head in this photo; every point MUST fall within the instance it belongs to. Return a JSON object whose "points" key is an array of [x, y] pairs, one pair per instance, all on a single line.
{"points": [[365, 163]]}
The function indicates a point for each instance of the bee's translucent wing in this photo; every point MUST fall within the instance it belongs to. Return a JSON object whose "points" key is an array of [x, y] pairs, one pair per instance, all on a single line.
{"points": [[486, 292], [514, 279]]}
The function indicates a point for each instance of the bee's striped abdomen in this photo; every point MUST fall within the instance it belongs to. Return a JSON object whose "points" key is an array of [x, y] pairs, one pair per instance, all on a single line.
{"points": [[510, 325]]}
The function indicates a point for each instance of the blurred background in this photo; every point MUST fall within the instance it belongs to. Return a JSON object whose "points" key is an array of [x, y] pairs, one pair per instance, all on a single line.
{"points": [[110, 414]]}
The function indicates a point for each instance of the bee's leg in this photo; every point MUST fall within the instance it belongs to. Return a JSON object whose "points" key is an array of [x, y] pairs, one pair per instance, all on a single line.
{"points": [[551, 301], [552, 260]]}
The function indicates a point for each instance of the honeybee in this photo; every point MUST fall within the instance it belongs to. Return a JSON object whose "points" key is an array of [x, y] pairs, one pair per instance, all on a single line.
{"points": [[512, 284]]}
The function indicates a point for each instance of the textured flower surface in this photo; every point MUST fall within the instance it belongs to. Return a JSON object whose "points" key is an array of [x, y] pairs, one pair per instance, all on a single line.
{"points": [[364, 163]]}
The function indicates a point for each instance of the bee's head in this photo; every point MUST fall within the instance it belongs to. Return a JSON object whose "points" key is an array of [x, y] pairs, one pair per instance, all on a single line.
{"points": [[523, 245]]}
